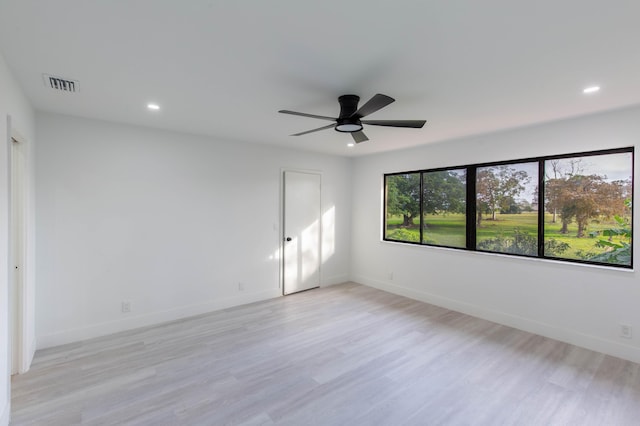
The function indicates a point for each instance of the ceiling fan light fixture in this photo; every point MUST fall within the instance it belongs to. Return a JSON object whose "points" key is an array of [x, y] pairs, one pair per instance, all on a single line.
{"points": [[349, 127], [349, 120]]}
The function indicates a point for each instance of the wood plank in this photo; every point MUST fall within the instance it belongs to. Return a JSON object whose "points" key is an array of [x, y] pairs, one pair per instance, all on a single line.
{"points": [[346, 354]]}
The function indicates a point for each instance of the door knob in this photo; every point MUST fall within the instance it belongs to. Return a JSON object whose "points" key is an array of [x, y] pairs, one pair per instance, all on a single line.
{"points": [[288, 238]]}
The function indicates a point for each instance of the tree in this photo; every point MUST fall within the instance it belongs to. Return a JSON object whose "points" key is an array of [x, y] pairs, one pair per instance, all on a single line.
{"points": [[495, 187], [510, 206], [558, 192], [444, 192], [403, 196], [525, 206], [584, 197], [560, 169]]}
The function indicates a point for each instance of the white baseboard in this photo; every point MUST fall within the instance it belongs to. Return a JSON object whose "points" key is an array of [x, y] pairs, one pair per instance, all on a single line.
{"points": [[573, 337], [132, 322], [5, 415]]}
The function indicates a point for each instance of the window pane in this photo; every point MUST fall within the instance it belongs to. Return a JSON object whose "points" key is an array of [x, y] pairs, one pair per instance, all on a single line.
{"points": [[444, 205], [402, 212], [506, 203], [588, 208]]}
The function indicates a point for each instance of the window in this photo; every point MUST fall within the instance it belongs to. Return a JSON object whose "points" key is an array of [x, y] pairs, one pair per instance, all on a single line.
{"points": [[444, 206], [506, 221], [402, 207], [575, 207], [588, 208]]}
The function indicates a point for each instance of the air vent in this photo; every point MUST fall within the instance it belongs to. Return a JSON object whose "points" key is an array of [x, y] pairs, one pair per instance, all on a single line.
{"points": [[61, 84]]}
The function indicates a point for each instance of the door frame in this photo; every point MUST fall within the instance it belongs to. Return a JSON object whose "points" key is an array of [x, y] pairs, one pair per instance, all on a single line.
{"points": [[281, 236], [19, 352]]}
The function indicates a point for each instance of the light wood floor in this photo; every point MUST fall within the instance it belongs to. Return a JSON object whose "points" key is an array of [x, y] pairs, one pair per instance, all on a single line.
{"points": [[344, 355]]}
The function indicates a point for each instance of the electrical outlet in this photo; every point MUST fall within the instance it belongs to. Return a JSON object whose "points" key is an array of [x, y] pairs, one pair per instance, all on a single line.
{"points": [[626, 331], [390, 276], [240, 286], [126, 306]]}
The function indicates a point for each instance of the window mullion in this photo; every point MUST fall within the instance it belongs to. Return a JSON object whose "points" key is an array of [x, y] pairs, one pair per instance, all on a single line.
{"points": [[541, 208], [471, 208]]}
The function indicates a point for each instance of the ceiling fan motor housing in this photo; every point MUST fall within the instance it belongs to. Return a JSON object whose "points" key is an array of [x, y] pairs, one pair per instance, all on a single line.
{"points": [[347, 123]]}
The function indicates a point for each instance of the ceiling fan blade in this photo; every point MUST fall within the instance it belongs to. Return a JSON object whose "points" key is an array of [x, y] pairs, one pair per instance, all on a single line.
{"points": [[315, 130], [359, 136], [378, 101], [321, 117], [416, 124]]}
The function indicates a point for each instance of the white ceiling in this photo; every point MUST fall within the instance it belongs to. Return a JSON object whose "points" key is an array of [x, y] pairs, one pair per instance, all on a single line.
{"points": [[225, 67]]}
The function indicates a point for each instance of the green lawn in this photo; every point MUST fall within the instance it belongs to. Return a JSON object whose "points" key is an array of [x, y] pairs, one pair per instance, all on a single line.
{"points": [[506, 223], [579, 246], [449, 230], [445, 230]]}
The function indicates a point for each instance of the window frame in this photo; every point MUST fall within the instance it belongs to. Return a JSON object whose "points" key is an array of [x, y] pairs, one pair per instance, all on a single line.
{"points": [[384, 207], [444, 169], [475, 199], [471, 210]]}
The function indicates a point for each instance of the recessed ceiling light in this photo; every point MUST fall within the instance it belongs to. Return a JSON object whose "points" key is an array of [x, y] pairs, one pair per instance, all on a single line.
{"points": [[153, 107], [592, 89], [351, 145]]}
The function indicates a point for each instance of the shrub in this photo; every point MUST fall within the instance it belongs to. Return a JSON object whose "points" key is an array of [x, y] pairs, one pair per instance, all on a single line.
{"points": [[520, 243]]}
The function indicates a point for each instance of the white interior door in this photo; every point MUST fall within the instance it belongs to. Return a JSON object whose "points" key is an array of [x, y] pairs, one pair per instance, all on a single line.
{"points": [[302, 231], [16, 282]]}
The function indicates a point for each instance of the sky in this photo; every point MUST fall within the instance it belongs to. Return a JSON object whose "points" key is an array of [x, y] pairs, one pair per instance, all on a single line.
{"points": [[613, 166]]}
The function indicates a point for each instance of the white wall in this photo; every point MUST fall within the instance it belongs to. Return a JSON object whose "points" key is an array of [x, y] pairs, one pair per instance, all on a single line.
{"points": [[14, 108], [579, 304], [171, 222]]}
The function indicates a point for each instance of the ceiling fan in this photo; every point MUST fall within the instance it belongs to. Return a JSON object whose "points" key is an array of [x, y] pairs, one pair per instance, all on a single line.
{"points": [[350, 117]]}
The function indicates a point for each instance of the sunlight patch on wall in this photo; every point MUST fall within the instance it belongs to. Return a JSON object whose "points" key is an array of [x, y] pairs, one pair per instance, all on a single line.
{"points": [[328, 234]]}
